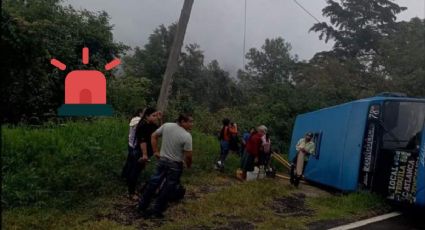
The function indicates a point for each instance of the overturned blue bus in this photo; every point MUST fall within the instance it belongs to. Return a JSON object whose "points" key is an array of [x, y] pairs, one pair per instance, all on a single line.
{"points": [[375, 144]]}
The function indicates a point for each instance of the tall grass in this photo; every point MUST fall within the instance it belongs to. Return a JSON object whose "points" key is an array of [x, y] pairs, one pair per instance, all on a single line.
{"points": [[63, 177], [75, 161], [71, 161]]}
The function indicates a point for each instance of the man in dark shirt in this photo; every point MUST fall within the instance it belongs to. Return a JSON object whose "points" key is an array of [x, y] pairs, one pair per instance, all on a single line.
{"points": [[143, 138], [143, 148]]}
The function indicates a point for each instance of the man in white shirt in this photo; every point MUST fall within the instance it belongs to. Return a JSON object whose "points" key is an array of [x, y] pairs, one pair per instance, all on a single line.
{"points": [[304, 147], [176, 149]]}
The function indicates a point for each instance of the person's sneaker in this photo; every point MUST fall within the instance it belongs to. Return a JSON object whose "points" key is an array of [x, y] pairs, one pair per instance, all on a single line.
{"points": [[218, 165]]}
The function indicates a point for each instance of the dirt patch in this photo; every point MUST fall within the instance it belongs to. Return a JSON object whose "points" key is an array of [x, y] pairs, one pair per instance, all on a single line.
{"points": [[207, 189], [201, 227], [227, 217], [258, 220], [293, 205], [233, 222], [237, 225], [125, 214], [194, 193], [311, 191]]}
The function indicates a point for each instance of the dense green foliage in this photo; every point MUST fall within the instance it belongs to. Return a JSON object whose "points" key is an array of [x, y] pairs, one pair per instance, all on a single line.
{"points": [[195, 84], [75, 161], [33, 32], [358, 25], [67, 162], [372, 53]]}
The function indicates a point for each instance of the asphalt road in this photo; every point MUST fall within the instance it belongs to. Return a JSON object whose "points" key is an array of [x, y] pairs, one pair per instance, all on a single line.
{"points": [[406, 221]]}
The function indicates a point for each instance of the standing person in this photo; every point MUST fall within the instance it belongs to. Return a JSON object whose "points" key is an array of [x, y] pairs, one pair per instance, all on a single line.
{"points": [[304, 148], [224, 143], [252, 150], [233, 142], [176, 148], [266, 151], [142, 150], [245, 137], [131, 140]]}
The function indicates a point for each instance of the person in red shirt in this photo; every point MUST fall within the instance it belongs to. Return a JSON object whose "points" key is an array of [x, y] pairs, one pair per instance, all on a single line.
{"points": [[252, 150], [233, 142], [224, 144]]}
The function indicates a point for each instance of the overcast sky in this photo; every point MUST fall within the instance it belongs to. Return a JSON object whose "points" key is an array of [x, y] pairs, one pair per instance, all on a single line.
{"points": [[217, 25]]}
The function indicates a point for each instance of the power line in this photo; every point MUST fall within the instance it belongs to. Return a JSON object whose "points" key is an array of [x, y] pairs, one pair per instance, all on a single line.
{"points": [[302, 7]]}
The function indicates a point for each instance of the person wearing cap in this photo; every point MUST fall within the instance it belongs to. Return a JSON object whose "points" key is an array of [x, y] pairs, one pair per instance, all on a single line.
{"points": [[252, 150], [304, 148]]}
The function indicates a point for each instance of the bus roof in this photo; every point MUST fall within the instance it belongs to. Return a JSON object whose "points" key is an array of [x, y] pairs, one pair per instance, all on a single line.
{"points": [[370, 99]]}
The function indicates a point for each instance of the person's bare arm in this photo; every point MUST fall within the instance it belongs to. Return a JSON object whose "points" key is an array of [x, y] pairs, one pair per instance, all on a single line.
{"points": [[144, 152], [298, 147], [154, 142], [188, 158]]}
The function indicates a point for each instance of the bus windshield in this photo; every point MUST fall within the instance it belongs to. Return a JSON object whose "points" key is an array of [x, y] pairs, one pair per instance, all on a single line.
{"points": [[402, 123]]}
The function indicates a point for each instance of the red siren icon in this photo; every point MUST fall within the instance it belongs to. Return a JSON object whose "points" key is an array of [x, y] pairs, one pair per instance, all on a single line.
{"points": [[85, 90]]}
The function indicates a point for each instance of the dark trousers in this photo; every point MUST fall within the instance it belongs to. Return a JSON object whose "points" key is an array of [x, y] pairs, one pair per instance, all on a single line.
{"points": [[166, 169], [224, 150], [126, 168], [132, 169], [233, 144], [242, 150], [294, 179]]}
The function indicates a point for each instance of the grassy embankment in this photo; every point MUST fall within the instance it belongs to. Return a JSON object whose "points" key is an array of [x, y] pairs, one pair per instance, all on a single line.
{"points": [[67, 177]]}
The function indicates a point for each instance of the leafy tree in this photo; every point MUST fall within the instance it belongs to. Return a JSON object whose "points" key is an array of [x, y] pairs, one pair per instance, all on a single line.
{"points": [[402, 57], [351, 70], [189, 76], [220, 90], [356, 26], [194, 83], [126, 94], [268, 88], [272, 64], [151, 61], [33, 32], [327, 81]]}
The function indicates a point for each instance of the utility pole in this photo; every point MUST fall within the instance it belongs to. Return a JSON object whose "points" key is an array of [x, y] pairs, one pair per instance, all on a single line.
{"points": [[174, 56]]}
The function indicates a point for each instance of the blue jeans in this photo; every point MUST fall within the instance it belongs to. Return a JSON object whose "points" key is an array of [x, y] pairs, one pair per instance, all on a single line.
{"points": [[166, 169], [224, 150]]}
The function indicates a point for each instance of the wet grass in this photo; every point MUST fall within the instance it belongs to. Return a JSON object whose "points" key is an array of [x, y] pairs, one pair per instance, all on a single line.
{"points": [[71, 157]]}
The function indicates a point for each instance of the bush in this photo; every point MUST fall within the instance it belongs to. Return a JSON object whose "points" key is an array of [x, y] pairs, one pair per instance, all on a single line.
{"points": [[73, 160], [127, 94]]}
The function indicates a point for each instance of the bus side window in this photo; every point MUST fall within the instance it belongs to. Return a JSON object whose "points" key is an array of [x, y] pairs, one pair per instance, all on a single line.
{"points": [[317, 138]]}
